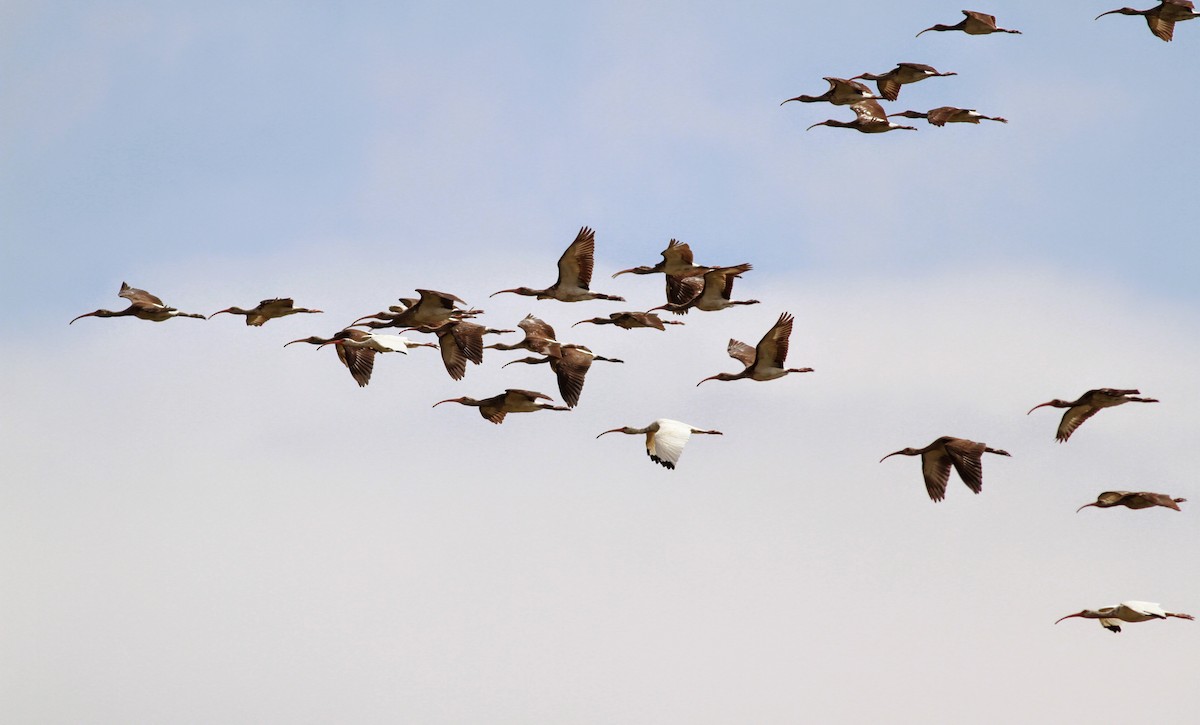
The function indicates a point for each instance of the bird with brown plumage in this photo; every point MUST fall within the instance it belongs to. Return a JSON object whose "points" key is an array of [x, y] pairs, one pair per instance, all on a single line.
{"points": [[142, 305]]}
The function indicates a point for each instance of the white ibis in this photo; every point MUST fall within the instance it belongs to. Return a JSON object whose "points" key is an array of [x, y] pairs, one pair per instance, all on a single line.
{"points": [[949, 114], [376, 341], [570, 364], [764, 361], [266, 310], [360, 361], [975, 23], [1162, 17], [539, 336], [1132, 612], [869, 117], [511, 400], [889, 83], [1088, 405], [143, 306], [665, 439], [460, 341], [937, 457], [1134, 500], [714, 295], [631, 320], [574, 274], [842, 92], [432, 308]]}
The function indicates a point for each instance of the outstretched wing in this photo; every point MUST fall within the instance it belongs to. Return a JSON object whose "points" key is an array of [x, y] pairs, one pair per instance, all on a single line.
{"points": [[1074, 418], [741, 352], [536, 327], [935, 467], [575, 265], [665, 445], [139, 296], [772, 349], [967, 457], [360, 361]]}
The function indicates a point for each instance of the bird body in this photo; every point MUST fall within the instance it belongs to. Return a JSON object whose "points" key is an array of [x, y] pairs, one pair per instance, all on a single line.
{"points": [[869, 117], [949, 114], [665, 439], [512, 400], [1162, 17], [766, 360], [842, 92], [1132, 612], [974, 23], [266, 310], [937, 458], [142, 305], [904, 73], [1088, 405], [1134, 500], [574, 274]]}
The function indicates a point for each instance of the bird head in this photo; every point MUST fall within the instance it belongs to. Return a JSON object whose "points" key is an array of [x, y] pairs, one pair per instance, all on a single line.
{"points": [[902, 452]]}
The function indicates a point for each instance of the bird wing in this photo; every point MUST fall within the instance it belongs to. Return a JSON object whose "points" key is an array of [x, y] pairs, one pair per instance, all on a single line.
{"points": [[571, 368], [647, 319], [888, 87], [682, 290], [741, 352], [772, 349], [391, 343], [941, 116], [139, 296], [279, 303], [575, 265], [1112, 498], [443, 300], [469, 338], [359, 361], [1074, 418], [967, 457], [935, 466], [868, 110], [1112, 625], [536, 327], [677, 253], [1144, 609], [665, 445], [493, 410], [1162, 28], [1155, 499], [981, 17], [453, 357]]}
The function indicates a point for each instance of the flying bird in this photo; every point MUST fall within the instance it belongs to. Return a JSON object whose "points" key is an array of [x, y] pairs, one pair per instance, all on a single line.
{"points": [[539, 336], [460, 341], [375, 341], [679, 266], [266, 310], [937, 458], [570, 364], [631, 320], [869, 117], [1162, 17], [430, 309], [1134, 500], [511, 400], [904, 73], [714, 294], [665, 439], [842, 92], [360, 361], [949, 114], [1088, 405], [974, 23], [1111, 617], [574, 274], [142, 305], [764, 361]]}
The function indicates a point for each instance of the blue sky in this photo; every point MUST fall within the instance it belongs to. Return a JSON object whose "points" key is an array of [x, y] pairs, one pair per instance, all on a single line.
{"points": [[247, 536]]}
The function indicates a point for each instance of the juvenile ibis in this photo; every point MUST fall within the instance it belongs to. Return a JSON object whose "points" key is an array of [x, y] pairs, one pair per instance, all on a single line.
{"points": [[949, 114], [143, 306], [266, 310], [631, 320], [937, 457], [665, 439], [1134, 500], [1088, 405], [904, 73], [460, 341], [431, 308], [869, 117], [511, 400], [974, 23], [679, 267], [714, 294], [1132, 612], [570, 364], [1162, 17], [360, 361], [539, 336], [764, 361], [574, 274], [842, 92]]}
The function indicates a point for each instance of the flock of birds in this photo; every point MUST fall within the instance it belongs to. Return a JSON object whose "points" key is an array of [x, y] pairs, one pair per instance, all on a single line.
{"points": [[690, 286]]}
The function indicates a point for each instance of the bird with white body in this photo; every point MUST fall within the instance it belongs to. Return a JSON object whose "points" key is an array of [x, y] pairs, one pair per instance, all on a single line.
{"points": [[1131, 612], [665, 439]]}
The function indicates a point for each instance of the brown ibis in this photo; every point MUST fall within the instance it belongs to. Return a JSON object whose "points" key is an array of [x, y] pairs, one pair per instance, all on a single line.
{"points": [[1134, 500], [631, 320], [539, 336], [904, 73], [430, 309], [1088, 405], [511, 400], [764, 361], [570, 364], [143, 306], [1162, 17], [266, 310], [574, 274], [937, 458], [714, 294], [974, 23], [1131, 612], [360, 361], [949, 114], [842, 92], [869, 117], [665, 439], [460, 341]]}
